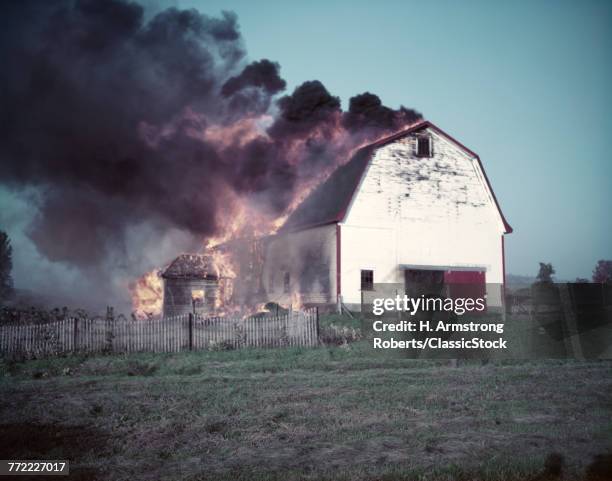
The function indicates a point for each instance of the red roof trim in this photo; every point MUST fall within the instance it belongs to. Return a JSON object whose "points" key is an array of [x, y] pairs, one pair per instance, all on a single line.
{"points": [[338, 263], [419, 126]]}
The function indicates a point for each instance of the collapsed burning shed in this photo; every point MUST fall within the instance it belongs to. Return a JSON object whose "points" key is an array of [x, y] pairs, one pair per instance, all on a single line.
{"points": [[191, 284], [225, 279]]}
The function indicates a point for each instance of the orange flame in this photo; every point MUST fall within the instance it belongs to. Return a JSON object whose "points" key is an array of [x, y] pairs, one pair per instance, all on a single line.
{"points": [[239, 215], [296, 302], [226, 272], [147, 295]]}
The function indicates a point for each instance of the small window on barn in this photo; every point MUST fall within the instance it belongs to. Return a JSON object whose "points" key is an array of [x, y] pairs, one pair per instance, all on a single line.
{"points": [[287, 283], [367, 280], [424, 146]]}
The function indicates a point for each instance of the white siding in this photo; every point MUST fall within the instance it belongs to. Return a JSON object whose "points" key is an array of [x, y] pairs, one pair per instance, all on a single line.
{"points": [[411, 211]]}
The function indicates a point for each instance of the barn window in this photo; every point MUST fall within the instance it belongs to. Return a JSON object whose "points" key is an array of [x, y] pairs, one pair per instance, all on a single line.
{"points": [[367, 280], [287, 283], [424, 146]]}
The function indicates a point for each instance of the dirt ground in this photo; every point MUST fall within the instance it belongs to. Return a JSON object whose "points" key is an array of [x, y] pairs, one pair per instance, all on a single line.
{"points": [[326, 413]]}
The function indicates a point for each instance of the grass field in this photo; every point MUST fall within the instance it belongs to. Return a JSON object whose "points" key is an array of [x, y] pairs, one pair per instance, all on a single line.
{"points": [[334, 413]]}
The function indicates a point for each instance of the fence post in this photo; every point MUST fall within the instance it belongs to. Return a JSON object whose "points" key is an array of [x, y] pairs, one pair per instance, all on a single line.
{"points": [[75, 334], [317, 325], [110, 317], [191, 331]]}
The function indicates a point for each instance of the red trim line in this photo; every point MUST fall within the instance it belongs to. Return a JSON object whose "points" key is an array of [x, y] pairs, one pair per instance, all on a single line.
{"points": [[503, 289], [338, 262], [503, 260]]}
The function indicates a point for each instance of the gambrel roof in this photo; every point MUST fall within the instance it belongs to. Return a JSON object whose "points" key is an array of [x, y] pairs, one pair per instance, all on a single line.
{"points": [[330, 201]]}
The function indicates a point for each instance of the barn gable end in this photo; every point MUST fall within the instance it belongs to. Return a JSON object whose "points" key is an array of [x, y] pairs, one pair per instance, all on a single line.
{"points": [[421, 212], [330, 202], [415, 202], [398, 184]]}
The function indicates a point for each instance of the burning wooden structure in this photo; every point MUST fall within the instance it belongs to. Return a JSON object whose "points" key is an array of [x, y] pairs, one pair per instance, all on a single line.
{"points": [[191, 284], [413, 205], [241, 271]]}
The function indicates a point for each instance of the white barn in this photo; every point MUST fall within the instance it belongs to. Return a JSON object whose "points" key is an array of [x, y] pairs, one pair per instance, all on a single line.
{"points": [[415, 202]]}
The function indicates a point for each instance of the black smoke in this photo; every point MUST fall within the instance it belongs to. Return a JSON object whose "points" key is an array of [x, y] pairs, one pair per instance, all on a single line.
{"points": [[251, 91], [107, 115], [84, 76], [366, 111], [310, 106], [264, 74]]}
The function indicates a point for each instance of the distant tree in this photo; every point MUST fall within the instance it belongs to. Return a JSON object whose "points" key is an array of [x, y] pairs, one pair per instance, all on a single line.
{"points": [[6, 266], [581, 280], [603, 272], [545, 273]]}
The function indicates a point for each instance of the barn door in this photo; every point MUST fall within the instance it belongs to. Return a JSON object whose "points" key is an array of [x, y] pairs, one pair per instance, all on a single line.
{"points": [[467, 284], [424, 282]]}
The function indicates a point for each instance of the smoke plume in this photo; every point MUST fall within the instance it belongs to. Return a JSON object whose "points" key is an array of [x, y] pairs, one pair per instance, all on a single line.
{"points": [[128, 129]]}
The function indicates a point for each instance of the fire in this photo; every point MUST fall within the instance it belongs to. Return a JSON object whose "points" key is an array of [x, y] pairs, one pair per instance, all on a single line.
{"points": [[197, 295], [296, 302], [147, 295], [226, 272], [223, 264], [239, 216], [261, 307]]}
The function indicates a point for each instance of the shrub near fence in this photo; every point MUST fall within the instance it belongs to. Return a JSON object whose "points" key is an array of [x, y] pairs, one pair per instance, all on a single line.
{"points": [[173, 334]]}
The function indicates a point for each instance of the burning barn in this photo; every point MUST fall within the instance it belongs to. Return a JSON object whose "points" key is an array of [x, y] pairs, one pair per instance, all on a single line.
{"points": [[415, 205], [190, 285]]}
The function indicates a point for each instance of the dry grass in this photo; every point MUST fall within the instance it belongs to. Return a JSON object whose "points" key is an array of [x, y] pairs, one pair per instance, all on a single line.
{"points": [[327, 413]]}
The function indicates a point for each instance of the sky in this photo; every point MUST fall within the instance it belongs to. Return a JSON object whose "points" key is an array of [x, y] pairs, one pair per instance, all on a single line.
{"points": [[526, 85]]}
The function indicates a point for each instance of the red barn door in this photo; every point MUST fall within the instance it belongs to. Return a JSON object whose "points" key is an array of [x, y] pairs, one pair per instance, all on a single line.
{"points": [[467, 284]]}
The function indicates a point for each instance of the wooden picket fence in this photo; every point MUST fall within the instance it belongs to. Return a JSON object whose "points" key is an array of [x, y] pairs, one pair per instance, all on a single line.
{"points": [[173, 334]]}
